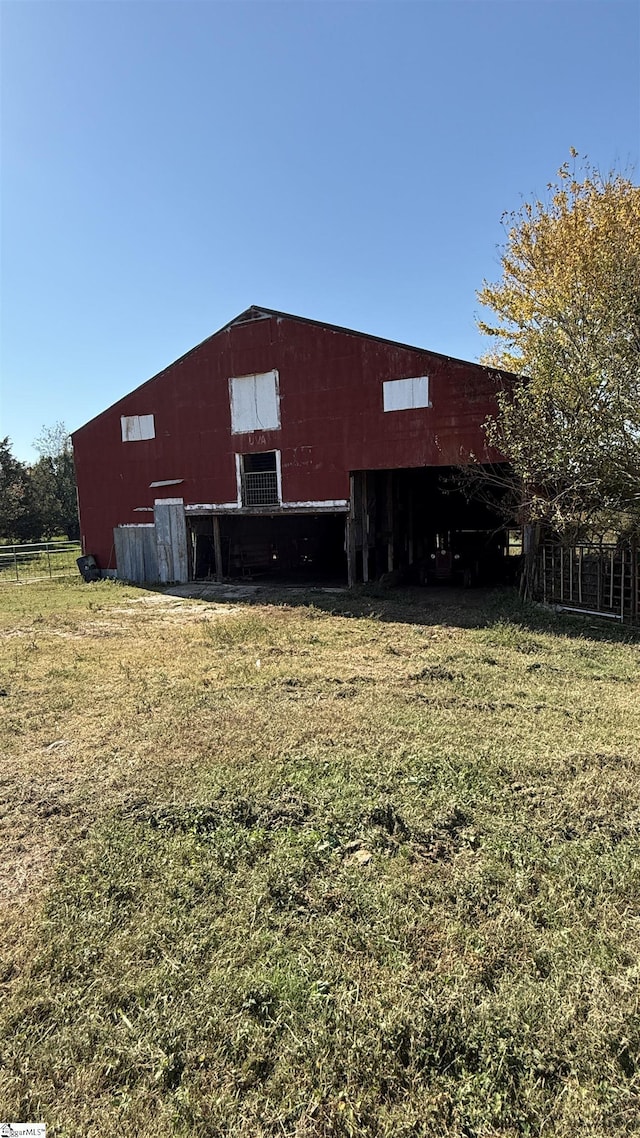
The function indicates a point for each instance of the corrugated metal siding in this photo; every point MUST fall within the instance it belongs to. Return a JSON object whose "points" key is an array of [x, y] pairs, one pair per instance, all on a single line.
{"points": [[332, 421]]}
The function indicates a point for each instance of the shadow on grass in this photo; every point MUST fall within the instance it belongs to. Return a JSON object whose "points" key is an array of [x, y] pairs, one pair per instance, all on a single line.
{"points": [[456, 608]]}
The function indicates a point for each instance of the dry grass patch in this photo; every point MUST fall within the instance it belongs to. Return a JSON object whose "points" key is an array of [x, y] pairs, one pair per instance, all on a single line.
{"points": [[274, 869]]}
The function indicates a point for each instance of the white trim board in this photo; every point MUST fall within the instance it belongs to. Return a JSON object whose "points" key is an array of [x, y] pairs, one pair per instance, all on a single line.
{"points": [[326, 504]]}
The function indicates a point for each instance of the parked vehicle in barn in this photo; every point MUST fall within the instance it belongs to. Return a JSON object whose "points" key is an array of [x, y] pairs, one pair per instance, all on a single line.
{"points": [[469, 557]]}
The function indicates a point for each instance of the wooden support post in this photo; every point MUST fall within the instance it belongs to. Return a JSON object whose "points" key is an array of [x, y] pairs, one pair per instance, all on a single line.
{"points": [[194, 551], [390, 521], [217, 546], [365, 528], [350, 533], [350, 546], [410, 521]]}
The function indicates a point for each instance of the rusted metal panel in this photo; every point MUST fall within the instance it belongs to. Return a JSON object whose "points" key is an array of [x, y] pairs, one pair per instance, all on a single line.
{"points": [[330, 386]]}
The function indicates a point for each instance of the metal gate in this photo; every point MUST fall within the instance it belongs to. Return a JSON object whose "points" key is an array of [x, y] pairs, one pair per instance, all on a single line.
{"points": [[591, 577], [38, 561]]}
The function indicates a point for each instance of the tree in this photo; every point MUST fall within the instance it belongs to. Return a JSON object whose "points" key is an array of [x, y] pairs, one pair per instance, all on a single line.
{"points": [[568, 319], [54, 483], [16, 500]]}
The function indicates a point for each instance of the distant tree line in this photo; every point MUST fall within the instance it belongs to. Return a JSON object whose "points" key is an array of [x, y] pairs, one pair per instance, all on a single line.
{"points": [[38, 500]]}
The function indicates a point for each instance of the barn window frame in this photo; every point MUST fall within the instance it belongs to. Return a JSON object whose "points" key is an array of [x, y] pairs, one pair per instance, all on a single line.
{"points": [[137, 428], [405, 394], [254, 401], [259, 479]]}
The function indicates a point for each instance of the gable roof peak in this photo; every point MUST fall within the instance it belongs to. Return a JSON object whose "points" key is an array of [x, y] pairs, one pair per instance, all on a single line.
{"points": [[251, 314]]}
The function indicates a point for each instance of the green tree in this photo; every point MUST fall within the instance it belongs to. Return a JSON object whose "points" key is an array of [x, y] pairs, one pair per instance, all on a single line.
{"points": [[567, 317], [54, 484], [17, 517]]}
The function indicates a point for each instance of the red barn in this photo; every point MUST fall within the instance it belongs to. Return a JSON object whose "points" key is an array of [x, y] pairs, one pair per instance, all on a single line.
{"points": [[284, 445]]}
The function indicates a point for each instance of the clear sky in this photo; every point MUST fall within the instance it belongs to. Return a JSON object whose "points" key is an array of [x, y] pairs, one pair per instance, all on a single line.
{"points": [[167, 164]]}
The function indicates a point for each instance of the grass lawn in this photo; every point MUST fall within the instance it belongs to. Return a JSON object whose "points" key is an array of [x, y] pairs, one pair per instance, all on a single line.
{"points": [[359, 866]]}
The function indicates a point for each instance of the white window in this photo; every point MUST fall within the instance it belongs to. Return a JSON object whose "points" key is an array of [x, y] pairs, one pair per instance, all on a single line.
{"points": [[255, 403], [403, 394], [136, 428]]}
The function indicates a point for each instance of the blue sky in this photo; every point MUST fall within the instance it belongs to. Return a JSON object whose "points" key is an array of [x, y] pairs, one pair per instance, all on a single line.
{"points": [[167, 164]]}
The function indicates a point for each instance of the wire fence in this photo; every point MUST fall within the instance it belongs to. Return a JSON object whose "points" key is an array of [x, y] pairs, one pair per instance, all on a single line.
{"points": [[38, 561]]}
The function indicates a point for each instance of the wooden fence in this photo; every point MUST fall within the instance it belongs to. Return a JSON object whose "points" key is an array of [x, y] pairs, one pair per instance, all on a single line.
{"points": [[156, 551], [591, 577]]}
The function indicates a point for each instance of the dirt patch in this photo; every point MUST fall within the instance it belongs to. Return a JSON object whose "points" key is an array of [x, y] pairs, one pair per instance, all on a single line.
{"points": [[38, 819]]}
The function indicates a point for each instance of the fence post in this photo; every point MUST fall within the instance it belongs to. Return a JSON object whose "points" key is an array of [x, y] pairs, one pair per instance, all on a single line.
{"points": [[15, 562], [611, 573], [634, 583], [49, 561], [544, 574]]}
